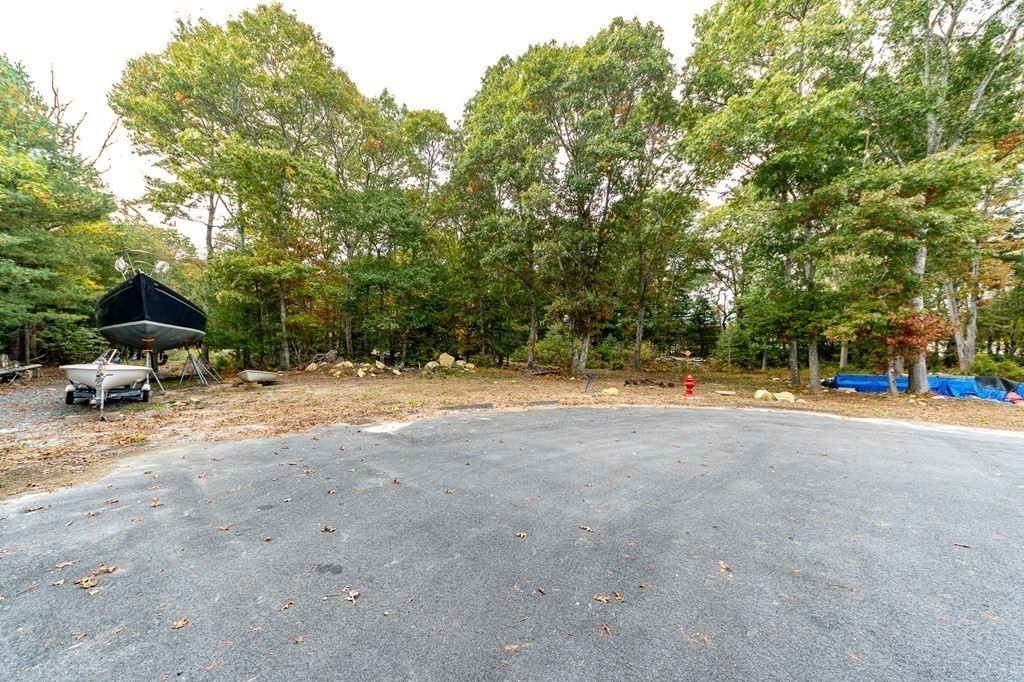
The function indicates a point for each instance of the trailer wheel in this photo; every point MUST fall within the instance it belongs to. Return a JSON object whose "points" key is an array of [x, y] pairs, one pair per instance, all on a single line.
{"points": [[145, 396], [69, 397]]}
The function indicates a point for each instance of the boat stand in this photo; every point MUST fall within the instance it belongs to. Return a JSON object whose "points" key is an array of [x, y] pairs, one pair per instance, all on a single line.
{"points": [[194, 365], [152, 369]]}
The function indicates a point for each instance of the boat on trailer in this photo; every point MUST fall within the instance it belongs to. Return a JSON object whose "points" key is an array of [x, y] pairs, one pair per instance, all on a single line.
{"points": [[106, 379], [143, 314]]}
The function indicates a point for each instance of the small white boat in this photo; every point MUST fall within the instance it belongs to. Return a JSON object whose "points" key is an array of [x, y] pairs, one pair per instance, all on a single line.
{"points": [[99, 375], [101, 379], [256, 376]]}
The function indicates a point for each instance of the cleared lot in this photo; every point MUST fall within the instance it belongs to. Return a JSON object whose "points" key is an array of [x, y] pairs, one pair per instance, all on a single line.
{"points": [[551, 544]]}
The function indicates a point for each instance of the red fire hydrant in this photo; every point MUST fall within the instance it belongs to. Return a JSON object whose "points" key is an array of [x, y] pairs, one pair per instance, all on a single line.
{"points": [[690, 383]]}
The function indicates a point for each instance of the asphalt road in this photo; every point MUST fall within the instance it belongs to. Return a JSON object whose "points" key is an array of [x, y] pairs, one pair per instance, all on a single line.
{"points": [[722, 544]]}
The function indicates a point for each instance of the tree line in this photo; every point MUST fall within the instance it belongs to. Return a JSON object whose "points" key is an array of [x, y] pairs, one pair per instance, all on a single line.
{"points": [[817, 177]]}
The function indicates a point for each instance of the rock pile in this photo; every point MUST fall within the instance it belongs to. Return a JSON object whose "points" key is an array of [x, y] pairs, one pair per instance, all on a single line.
{"points": [[446, 361]]}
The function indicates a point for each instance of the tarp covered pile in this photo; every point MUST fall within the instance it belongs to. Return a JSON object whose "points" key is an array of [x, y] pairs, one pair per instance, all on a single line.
{"points": [[987, 388]]}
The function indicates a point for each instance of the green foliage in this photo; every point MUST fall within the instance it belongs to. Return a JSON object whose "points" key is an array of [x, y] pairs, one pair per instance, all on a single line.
{"points": [[734, 348], [986, 365]]}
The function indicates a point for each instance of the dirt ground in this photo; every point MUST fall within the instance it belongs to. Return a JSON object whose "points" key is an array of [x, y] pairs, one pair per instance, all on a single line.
{"points": [[45, 444]]}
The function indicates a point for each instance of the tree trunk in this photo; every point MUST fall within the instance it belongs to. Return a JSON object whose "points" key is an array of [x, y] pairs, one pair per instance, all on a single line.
{"points": [[211, 213], [764, 359], [348, 317], [953, 311], [890, 373], [971, 340], [794, 364], [898, 365], [918, 374], [844, 354], [579, 365], [531, 339], [814, 368], [286, 362], [639, 335]]}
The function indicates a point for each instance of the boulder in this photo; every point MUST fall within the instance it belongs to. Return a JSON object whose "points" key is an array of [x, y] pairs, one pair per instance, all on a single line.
{"points": [[460, 363], [762, 394], [785, 396], [470, 365], [610, 391], [725, 392], [379, 365], [331, 356], [361, 373], [431, 365], [396, 372], [446, 360], [347, 364], [311, 367]]}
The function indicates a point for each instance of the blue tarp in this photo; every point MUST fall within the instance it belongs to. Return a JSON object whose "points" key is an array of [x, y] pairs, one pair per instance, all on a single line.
{"points": [[954, 387]]}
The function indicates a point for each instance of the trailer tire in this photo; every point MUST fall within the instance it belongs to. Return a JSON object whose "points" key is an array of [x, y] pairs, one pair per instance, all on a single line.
{"points": [[69, 397], [145, 396]]}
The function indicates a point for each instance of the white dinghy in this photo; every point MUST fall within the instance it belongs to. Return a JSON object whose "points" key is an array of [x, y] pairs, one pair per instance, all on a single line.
{"points": [[106, 378], [256, 376]]}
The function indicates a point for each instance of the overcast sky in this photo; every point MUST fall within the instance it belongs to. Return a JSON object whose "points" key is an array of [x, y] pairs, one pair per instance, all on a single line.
{"points": [[430, 55]]}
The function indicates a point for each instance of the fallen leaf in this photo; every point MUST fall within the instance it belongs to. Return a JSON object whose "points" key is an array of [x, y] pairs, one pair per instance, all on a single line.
{"points": [[300, 639], [331, 492], [178, 624], [28, 510], [156, 502], [395, 481], [541, 590], [587, 529], [448, 492], [79, 634], [309, 471], [601, 598], [225, 527], [62, 564], [216, 459], [287, 605], [605, 630], [698, 638], [59, 582], [136, 519], [267, 539], [957, 544], [287, 499], [92, 513], [724, 567], [387, 613], [520, 535], [328, 529], [619, 598], [112, 501], [643, 585]]}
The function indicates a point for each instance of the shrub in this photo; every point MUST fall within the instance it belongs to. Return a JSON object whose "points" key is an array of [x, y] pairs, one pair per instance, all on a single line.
{"points": [[484, 361], [67, 340], [986, 365]]}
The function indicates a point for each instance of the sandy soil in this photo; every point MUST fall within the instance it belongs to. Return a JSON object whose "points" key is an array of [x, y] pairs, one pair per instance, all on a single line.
{"points": [[45, 444]]}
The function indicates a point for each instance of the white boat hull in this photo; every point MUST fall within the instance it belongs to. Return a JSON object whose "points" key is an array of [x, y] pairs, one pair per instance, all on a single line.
{"points": [[113, 376], [255, 376]]}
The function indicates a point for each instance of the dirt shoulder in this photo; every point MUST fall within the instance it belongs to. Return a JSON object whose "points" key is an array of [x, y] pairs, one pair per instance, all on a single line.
{"points": [[45, 444]]}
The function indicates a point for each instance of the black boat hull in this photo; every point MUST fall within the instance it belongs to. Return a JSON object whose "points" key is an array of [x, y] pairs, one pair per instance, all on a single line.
{"points": [[145, 314]]}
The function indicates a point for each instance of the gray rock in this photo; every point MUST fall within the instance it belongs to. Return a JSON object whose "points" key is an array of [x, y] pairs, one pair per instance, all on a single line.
{"points": [[446, 360]]}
